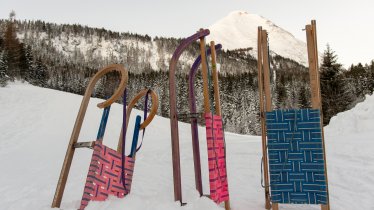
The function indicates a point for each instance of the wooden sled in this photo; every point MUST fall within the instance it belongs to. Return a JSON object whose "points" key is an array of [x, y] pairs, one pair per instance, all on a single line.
{"points": [[78, 124]]}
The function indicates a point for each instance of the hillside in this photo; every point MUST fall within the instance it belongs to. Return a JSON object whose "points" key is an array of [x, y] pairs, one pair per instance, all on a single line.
{"points": [[35, 132], [64, 57]]}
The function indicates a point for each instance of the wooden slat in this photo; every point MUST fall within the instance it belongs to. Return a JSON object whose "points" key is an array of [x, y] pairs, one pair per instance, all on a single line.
{"points": [[204, 72], [216, 92], [313, 73], [316, 64], [268, 100], [89, 145], [262, 116], [266, 67], [227, 205], [215, 79], [79, 121]]}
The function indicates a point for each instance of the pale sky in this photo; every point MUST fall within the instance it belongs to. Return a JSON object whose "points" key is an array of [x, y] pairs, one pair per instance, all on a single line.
{"points": [[348, 26]]}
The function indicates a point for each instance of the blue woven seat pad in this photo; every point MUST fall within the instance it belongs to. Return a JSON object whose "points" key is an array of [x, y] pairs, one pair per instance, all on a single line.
{"points": [[296, 156]]}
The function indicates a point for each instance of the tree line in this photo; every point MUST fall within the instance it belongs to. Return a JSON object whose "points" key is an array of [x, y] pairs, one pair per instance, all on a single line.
{"points": [[65, 57]]}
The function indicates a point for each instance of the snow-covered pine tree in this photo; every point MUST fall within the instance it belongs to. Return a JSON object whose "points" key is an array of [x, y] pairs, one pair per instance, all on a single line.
{"points": [[358, 76], [336, 97], [371, 76], [164, 96], [303, 97], [99, 88], [3, 70], [29, 62], [12, 47], [280, 92], [24, 63], [40, 75]]}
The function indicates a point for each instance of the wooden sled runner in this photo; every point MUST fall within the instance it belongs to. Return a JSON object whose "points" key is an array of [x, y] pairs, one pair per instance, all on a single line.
{"points": [[97, 145]]}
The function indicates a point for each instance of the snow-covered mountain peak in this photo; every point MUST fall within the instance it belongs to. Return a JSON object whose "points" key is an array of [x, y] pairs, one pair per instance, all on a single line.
{"points": [[239, 30], [244, 14]]}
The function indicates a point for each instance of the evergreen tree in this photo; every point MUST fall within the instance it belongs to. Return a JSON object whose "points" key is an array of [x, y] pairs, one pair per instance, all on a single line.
{"points": [[39, 74], [303, 98], [359, 77], [29, 63], [12, 47], [164, 98], [3, 70], [293, 98], [335, 95], [1, 42], [280, 92], [371, 77], [23, 64], [99, 89]]}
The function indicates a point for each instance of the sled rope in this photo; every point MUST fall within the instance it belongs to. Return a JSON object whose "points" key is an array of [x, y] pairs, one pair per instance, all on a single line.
{"points": [[124, 129], [145, 117]]}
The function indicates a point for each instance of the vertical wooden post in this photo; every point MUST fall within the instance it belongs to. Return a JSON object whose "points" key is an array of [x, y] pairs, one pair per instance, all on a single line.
{"points": [[266, 77], [311, 33], [204, 72], [216, 93], [316, 63], [313, 72], [217, 99], [262, 115], [266, 66]]}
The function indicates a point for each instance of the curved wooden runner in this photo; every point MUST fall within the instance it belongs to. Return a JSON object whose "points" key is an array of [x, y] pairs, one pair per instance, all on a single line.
{"points": [[174, 113], [194, 124]]}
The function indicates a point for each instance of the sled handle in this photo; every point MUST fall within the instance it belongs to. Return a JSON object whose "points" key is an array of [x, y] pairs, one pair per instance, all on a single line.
{"points": [[153, 109], [122, 85]]}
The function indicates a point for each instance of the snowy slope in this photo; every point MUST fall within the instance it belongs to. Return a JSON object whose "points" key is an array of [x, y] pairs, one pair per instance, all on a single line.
{"points": [[36, 124], [83, 49], [239, 30]]}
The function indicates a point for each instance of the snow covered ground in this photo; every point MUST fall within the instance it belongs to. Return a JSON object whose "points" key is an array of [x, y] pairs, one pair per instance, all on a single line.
{"points": [[36, 123]]}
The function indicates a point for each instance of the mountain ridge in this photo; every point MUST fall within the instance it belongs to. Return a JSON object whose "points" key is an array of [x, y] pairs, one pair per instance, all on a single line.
{"points": [[239, 30]]}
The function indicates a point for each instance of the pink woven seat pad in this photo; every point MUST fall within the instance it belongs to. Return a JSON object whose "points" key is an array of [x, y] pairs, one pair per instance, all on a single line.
{"points": [[219, 191], [104, 175]]}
